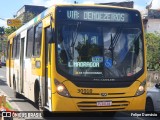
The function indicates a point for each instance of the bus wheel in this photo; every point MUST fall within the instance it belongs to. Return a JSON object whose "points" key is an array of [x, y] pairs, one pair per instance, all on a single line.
{"points": [[38, 103], [38, 99], [149, 105], [16, 94]]}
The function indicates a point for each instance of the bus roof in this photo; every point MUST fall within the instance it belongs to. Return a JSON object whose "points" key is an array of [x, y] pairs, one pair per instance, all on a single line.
{"points": [[50, 10]]}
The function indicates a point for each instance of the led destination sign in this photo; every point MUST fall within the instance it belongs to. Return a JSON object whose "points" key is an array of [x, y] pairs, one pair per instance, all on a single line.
{"points": [[101, 16]]}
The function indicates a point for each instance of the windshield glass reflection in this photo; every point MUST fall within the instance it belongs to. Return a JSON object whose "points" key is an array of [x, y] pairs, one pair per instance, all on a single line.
{"points": [[96, 51]]}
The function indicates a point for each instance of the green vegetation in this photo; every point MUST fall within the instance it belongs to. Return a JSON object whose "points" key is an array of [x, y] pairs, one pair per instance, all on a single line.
{"points": [[153, 51], [5, 32], [27, 17], [10, 30]]}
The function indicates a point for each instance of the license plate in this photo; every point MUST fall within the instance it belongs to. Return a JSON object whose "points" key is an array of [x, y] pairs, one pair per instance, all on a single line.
{"points": [[104, 103]]}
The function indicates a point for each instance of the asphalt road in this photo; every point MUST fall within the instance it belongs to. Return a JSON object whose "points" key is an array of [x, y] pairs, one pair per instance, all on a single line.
{"points": [[24, 104]]}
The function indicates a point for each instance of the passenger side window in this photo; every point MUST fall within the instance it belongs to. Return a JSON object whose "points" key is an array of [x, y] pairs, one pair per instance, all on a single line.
{"points": [[8, 49], [30, 38], [48, 36], [18, 46], [37, 40], [14, 48]]}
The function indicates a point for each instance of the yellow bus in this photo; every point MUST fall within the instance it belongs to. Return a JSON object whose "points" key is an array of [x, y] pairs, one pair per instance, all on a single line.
{"points": [[80, 58]]}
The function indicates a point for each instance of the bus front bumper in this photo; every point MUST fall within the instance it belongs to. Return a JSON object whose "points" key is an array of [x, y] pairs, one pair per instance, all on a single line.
{"points": [[65, 104]]}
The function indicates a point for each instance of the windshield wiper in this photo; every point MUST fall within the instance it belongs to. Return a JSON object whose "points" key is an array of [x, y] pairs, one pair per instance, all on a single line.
{"points": [[115, 39], [111, 48], [74, 37], [114, 42]]}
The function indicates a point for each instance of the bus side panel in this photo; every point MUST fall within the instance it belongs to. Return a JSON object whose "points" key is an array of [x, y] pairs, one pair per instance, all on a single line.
{"points": [[28, 77]]}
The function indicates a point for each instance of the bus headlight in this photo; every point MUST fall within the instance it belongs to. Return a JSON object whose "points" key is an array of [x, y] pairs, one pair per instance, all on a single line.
{"points": [[141, 89], [61, 89]]}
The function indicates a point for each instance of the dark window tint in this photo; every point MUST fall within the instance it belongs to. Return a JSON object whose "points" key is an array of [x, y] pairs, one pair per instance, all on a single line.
{"points": [[14, 48], [30, 38], [48, 37], [8, 49], [37, 40], [48, 33], [18, 46]]}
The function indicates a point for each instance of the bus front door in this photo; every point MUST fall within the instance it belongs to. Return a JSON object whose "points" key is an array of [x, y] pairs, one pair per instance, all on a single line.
{"points": [[47, 67]]}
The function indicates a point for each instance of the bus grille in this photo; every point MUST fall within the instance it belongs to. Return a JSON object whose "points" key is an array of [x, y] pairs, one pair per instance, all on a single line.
{"points": [[92, 106]]}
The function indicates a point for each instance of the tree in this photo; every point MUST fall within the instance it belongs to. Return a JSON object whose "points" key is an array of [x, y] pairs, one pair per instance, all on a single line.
{"points": [[2, 32], [153, 51], [10, 30], [27, 17]]}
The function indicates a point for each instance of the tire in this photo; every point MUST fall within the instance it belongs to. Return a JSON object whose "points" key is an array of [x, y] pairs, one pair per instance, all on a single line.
{"points": [[149, 105], [16, 94], [38, 103], [37, 96]]}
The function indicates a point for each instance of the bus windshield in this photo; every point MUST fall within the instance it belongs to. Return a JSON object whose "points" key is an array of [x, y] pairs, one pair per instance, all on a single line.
{"points": [[99, 51]]}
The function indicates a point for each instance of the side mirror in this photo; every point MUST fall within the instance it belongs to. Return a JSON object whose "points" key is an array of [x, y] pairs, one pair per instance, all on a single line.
{"points": [[157, 86]]}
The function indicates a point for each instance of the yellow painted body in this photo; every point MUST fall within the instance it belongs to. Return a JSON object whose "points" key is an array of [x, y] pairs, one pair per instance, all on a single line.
{"points": [[62, 104], [77, 102]]}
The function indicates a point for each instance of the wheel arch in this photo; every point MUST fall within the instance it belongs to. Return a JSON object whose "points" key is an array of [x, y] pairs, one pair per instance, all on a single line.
{"points": [[150, 98], [36, 88], [14, 80]]}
